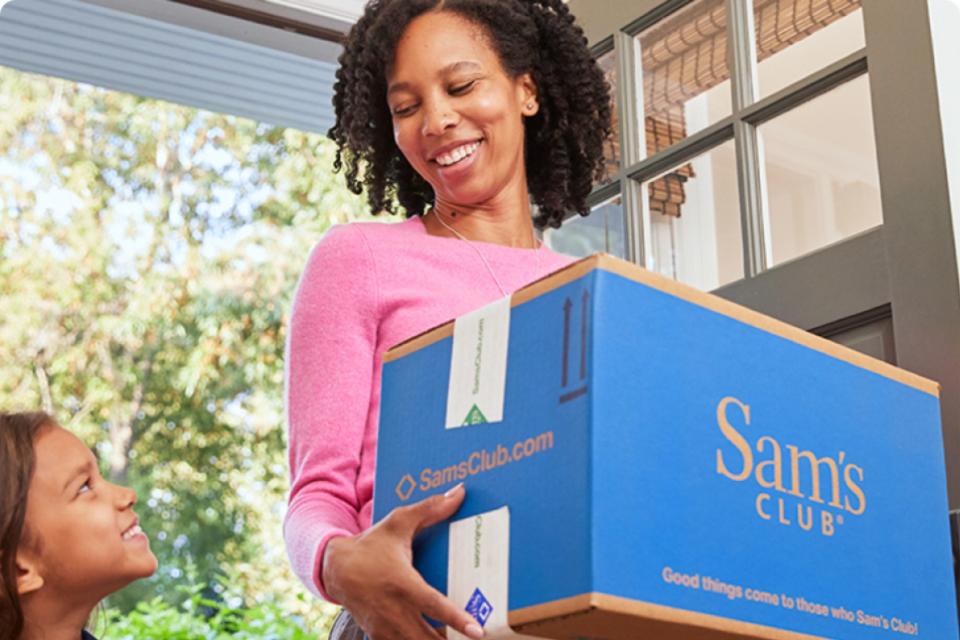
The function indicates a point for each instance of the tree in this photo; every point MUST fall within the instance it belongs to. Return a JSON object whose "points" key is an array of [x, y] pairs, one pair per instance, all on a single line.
{"points": [[148, 257]]}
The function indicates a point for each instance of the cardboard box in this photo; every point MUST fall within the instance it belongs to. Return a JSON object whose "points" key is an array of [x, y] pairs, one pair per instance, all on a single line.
{"points": [[677, 466]]}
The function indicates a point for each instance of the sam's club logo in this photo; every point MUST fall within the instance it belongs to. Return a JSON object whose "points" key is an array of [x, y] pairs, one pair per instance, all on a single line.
{"points": [[479, 607]]}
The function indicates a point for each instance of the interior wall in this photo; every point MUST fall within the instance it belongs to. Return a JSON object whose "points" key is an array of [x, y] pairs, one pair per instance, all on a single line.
{"points": [[600, 19]]}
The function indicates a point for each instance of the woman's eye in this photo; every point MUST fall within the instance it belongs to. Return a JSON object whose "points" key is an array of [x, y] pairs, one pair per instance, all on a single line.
{"points": [[85, 487], [462, 88]]}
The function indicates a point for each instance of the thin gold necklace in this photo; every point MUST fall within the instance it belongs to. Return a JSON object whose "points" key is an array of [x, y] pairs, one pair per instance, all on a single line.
{"points": [[483, 258]]}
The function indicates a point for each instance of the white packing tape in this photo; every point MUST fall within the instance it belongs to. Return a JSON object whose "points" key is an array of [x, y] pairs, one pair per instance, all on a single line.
{"points": [[478, 572], [478, 366]]}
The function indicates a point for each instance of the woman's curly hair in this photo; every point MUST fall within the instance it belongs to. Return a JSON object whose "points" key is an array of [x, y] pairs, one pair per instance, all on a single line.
{"points": [[563, 141]]}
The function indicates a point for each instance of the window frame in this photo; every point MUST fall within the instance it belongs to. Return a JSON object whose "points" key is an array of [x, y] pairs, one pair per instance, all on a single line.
{"points": [[748, 113]]}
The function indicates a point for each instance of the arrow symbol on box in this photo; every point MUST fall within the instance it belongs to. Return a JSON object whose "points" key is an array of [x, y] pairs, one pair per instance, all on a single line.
{"points": [[567, 305], [583, 336]]}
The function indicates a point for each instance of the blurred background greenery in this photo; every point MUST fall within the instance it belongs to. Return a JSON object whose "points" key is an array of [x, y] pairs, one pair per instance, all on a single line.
{"points": [[148, 257]]}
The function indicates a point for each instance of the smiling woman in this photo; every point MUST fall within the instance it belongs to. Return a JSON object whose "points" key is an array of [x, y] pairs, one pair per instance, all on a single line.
{"points": [[462, 114], [458, 118], [433, 55]]}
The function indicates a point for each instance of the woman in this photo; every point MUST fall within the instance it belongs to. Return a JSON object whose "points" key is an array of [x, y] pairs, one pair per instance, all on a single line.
{"points": [[458, 113]]}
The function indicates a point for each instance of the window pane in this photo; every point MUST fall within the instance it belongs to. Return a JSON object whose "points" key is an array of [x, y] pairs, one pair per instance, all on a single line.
{"points": [[821, 169], [797, 37], [686, 83], [603, 230], [694, 221], [611, 148]]}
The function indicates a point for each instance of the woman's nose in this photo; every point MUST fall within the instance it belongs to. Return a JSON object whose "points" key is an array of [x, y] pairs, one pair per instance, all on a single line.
{"points": [[438, 116]]}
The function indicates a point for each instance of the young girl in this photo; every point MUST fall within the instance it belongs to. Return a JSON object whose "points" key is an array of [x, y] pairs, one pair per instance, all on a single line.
{"points": [[68, 538]]}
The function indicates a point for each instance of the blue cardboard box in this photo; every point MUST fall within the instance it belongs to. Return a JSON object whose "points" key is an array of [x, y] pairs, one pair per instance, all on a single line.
{"points": [[677, 466]]}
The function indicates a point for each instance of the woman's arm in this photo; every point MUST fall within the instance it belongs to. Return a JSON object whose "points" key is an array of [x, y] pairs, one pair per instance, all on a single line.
{"points": [[331, 356], [329, 373]]}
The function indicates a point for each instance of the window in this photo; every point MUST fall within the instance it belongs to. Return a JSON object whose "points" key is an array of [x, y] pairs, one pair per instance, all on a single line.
{"points": [[794, 39], [148, 253], [611, 149], [821, 168], [602, 231], [693, 220], [725, 171], [686, 82]]}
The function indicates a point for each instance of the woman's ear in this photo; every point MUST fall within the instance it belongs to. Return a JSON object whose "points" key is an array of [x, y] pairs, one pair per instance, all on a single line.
{"points": [[28, 575], [527, 90]]}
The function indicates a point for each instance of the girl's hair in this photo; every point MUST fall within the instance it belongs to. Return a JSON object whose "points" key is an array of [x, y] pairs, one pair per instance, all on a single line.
{"points": [[17, 434], [564, 140]]}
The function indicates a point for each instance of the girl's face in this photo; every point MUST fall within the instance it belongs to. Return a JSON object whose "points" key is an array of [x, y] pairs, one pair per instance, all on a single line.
{"points": [[81, 532], [457, 115]]}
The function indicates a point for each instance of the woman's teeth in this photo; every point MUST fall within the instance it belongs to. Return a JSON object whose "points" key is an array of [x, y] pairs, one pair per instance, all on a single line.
{"points": [[131, 532], [458, 154]]}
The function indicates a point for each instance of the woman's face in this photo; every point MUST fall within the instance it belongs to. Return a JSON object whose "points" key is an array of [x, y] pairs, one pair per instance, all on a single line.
{"points": [[457, 115], [82, 533]]}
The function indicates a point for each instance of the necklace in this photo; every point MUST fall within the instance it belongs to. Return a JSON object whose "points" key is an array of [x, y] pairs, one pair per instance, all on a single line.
{"points": [[483, 258]]}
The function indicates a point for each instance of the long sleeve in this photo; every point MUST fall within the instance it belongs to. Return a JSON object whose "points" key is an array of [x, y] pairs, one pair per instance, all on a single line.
{"points": [[329, 376]]}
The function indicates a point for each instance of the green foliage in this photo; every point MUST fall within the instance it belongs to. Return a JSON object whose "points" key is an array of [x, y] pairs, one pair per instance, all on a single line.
{"points": [[148, 257], [199, 618]]}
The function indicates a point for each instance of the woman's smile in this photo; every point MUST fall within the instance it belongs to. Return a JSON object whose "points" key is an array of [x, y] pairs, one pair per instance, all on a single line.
{"points": [[456, 164], [451, 154]]}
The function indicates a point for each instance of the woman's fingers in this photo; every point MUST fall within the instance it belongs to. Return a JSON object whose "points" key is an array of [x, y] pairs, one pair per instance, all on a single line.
{"points": [[381, 586], [407, 625], [434, 604], [445, 507], [409, 521], [429, 631]]}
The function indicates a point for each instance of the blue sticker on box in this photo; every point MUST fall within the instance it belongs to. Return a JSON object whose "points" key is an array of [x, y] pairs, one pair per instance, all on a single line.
{"points": [[479, 607]]}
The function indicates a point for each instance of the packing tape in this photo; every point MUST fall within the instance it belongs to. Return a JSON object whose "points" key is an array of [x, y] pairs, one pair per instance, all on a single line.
{"points": [[478, 366], [478, 572]]}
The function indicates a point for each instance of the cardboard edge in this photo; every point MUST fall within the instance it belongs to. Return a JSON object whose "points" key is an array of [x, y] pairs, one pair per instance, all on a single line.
{"points": [[587, 601], [709, 301], [554, 609]]}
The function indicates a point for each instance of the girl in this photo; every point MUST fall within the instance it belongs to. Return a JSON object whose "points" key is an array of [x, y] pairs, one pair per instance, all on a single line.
{"points": [[68, 538]]}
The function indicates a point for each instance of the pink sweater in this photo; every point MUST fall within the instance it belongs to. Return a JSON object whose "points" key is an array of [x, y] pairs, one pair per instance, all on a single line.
{"points": [[367, 287]]}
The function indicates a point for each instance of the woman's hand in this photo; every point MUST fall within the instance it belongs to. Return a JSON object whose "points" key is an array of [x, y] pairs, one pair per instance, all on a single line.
{"points": [[371, 574]]}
